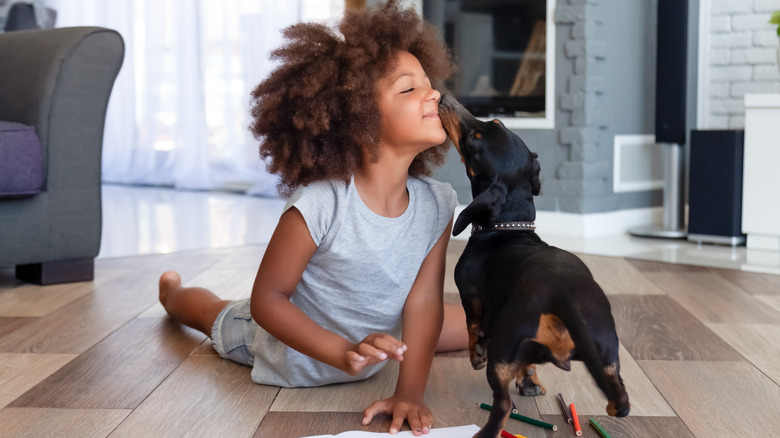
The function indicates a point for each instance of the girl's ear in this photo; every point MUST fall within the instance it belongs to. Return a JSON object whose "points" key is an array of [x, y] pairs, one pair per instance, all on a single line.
{"points": [[484, 209]]}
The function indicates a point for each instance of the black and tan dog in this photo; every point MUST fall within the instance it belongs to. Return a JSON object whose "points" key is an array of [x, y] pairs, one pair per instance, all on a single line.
{"points": [[526, 302]]}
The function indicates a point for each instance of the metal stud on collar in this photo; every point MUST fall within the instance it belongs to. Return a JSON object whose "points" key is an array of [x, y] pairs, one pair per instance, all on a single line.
{"points": [[506, 226]]}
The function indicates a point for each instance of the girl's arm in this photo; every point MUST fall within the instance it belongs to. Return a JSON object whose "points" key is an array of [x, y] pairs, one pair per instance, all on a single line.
{"points": [[422, 323], [288, 252]]}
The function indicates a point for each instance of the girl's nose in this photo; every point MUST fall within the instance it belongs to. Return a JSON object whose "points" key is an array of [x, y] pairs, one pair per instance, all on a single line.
{"points": [[435, 95]]}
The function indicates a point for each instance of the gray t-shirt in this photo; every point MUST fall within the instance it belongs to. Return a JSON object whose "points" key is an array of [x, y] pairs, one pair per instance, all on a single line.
{"points": [[360, 275]]}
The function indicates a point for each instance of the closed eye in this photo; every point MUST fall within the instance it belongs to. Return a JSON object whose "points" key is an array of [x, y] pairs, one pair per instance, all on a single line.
{"points": [[407, 91]]}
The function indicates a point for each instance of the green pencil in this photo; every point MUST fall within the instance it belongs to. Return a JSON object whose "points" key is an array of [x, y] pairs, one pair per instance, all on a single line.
{"points": [[599, 429], [522, 418]]}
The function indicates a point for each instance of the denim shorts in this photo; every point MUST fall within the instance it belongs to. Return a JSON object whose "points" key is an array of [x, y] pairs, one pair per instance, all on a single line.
{"points": [[234, 332]]}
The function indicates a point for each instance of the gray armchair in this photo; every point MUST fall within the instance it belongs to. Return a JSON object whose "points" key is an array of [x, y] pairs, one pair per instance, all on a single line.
{"points": [[57, 81]]}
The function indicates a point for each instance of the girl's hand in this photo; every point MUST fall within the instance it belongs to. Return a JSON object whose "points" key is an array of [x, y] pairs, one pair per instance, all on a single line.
{"points": [[375, 348], [413, 411]]}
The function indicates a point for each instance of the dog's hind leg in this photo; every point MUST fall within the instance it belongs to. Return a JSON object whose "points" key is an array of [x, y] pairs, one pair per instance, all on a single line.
{"points": [[618, 405], [605, 339], [608, 347], [499, 375]]}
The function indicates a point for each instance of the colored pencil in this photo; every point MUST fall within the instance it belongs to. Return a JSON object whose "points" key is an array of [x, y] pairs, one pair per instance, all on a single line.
{"points": [[564, 409], [599, 429], [505, 434], [577, 430], [522, 418]]}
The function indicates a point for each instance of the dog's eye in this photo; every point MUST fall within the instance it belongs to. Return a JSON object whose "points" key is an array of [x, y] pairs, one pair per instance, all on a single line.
{"points": [[477, 135]]}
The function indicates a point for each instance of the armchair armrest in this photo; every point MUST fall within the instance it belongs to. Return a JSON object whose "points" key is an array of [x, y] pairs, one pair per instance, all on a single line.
{"points": [[59, 81]]}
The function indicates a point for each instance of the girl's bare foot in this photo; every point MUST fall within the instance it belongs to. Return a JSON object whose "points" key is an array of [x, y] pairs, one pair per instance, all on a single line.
{"points": [[169, 281]]}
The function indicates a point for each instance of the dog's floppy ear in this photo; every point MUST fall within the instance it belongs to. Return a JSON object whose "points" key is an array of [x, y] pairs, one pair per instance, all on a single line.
{"points": [[484, 208], [536, 183]]}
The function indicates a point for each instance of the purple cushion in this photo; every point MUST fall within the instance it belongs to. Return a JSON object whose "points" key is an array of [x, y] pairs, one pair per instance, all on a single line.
{"points": [[21, 163]]}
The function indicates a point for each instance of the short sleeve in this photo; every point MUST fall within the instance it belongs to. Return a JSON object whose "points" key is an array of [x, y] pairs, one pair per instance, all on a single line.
{"points": [[317, 204]]}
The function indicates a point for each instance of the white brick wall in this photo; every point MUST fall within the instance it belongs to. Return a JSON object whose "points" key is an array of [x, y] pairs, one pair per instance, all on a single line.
{"points": [[741, 58]]}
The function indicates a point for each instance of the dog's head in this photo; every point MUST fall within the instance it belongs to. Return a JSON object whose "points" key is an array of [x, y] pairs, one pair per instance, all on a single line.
{"points": [[504, 174]]}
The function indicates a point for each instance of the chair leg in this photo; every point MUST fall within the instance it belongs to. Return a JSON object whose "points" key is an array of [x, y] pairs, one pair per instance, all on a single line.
{"points": [[61, 271]]}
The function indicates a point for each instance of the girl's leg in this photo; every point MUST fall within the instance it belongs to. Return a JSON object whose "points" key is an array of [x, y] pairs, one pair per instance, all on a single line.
{"points": [[192, 306], [453, 333]]}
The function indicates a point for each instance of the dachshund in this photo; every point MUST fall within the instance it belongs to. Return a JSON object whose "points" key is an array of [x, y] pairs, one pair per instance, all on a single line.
{"points": [[526, 302]]}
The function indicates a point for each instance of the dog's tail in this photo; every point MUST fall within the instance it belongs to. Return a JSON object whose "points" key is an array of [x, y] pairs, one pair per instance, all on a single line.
{"points": [[584, 346]]}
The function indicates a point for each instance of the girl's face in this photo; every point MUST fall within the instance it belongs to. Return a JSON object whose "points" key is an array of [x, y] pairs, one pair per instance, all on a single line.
{"points": [[409, 107]]}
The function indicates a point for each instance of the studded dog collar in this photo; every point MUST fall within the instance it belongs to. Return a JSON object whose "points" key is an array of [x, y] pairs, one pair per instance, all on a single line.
{"points": [[506, 226]]}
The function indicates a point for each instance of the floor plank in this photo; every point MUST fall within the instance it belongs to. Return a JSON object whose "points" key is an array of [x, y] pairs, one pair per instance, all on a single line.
{"points": [[772, 301], [712, 402], [710, 299], [33, 300], [244, 258], [759, 343], [202, 389], [577, 386], [81, 324], [188, 264], [617, 276], [9, 324], [76, 423], [658, 328], [651, 266], [752, 282], [20, 372], [119, 372]]}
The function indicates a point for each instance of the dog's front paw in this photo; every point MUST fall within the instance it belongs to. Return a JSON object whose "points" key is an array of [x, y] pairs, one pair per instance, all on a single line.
{"points": [[478, 354]]}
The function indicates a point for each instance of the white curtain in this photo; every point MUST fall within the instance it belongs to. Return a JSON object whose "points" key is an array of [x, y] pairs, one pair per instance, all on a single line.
{"points": [[179, 109]]}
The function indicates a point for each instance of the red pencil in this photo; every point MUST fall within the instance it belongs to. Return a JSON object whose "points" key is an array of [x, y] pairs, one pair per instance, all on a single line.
{"points": [[505, 434], [577, 429]]}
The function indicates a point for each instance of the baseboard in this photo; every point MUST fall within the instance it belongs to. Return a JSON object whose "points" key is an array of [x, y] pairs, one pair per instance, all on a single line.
{"points": [[587, 225]]}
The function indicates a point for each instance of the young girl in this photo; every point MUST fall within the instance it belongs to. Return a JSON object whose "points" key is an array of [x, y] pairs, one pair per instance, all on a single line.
{"points": [[350, 123]]}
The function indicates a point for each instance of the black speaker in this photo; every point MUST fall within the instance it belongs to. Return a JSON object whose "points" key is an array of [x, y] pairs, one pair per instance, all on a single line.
{"points": [[715, 197], [671, 71]]}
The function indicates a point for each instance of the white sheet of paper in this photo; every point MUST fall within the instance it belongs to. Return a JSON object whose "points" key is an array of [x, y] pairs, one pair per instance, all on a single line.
{"points": [[441, 432]]}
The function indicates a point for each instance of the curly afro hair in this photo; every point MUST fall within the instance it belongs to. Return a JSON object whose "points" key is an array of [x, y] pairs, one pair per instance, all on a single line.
{"points": [[317, 112]]}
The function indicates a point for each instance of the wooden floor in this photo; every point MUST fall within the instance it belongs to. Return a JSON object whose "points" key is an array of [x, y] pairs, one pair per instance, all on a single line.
{"points": [[700, 350]]}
